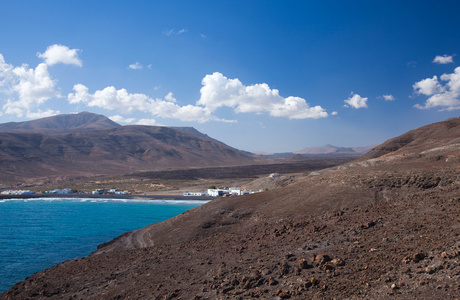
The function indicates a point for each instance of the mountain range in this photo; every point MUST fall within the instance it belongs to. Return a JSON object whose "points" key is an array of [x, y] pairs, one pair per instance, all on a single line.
{"points": [[89, 144], [329, 149]]}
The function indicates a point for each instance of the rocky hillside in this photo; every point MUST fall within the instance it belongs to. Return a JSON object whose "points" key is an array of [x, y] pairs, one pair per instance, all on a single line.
{"points": [[88, 144], [439, 141], [372, 231]]}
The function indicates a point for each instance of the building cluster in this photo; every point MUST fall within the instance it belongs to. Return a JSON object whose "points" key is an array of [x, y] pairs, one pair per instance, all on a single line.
{"points": [[108, 192], [194, 194], [233, 191], [59, 191], [17, 192], [222, 192]]}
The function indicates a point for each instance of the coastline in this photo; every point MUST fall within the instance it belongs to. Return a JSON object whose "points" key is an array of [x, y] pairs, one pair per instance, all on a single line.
{"points": [[111, 196]]}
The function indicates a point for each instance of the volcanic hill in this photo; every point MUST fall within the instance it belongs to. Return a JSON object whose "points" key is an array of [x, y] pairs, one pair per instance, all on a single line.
{"points": [[384, 226], [88, 144]]}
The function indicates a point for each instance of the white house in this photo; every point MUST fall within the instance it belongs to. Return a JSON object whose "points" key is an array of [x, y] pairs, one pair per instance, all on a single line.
{"points": [[217, 192], [194, 194], [17, 192], [235, 191], [58, 191]]}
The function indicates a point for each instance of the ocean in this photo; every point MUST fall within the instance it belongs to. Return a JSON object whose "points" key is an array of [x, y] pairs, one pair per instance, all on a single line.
{"points": [[36, 234]]}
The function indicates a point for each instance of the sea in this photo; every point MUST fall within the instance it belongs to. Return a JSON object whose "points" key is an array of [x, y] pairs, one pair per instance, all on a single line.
{"points": [[36, 234]]}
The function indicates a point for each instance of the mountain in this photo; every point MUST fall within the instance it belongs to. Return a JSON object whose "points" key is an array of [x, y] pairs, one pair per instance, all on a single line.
{"points": [[326, 150], [384, 226], [61, 123], [89, 144], [329, 149], [438, 141], [195, 132]]}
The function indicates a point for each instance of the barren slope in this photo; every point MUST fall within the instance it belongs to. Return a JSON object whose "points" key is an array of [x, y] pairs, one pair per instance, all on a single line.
{"points": [[432, 142], [86, 144]]}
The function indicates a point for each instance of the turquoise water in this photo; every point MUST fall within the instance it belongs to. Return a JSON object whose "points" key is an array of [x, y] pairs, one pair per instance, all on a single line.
{"points": [[40, 233]]}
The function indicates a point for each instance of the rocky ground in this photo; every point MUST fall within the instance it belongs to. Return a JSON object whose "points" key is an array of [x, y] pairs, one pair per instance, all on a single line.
{"points": [[403, 244]]}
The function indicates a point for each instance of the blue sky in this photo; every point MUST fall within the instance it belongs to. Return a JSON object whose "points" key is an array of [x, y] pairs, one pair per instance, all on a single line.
{"points": [[272, 76]]}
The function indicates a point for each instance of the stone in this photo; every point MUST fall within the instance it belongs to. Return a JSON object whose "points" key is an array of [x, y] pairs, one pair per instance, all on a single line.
{"points": [[418, 257], [322, 258], [338, 262], [303, 263], [272, 281]]}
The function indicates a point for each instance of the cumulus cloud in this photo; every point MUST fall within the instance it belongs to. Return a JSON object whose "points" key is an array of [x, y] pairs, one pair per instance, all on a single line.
{"points": [[26, 89], [428, 86], [446, 96], [56, 54], [149, 122], [124, 102], [356, 101], [43, 114], [388, 97], [445, 59], [135, 66], [121, 119], [219, 91]]}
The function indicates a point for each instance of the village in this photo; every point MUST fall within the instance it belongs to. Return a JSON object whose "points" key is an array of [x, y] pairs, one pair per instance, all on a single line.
{"points": [[211, 191]]}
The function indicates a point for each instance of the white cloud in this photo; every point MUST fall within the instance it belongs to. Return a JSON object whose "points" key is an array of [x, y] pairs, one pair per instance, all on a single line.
{"points": [[219, 91], [136, 66], [356, 101], [148, 122], [334, 113], [446, 96], [445, 59], [56, 54], [170, 97], [169, 32], [388, 97], [120, 100], [26, 89], [120, 119], [428, 86], [42, 114]]}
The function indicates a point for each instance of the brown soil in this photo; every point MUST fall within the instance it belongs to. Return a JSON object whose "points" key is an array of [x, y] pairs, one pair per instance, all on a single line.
{"points": [[367, 233]]}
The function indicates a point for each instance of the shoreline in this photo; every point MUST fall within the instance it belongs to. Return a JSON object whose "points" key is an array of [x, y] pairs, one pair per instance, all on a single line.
{"points": [[127, 196]]}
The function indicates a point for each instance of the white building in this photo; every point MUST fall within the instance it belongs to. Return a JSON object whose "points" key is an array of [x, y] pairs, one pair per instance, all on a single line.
{"points": [[17, 192], [194, 194], [217, 192], [58, 191]]}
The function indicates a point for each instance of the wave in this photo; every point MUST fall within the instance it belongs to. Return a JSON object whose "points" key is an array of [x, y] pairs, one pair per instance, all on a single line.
{"points": [[108, 200]]}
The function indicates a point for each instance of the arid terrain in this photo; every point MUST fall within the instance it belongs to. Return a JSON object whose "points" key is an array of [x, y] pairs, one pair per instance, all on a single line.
{"points": [[384, 226], [85, 144], [192, 180]]}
